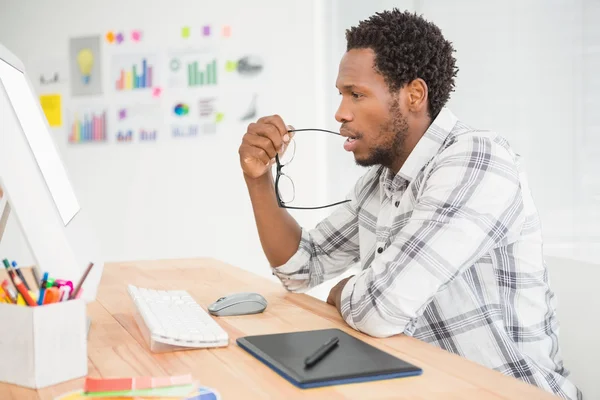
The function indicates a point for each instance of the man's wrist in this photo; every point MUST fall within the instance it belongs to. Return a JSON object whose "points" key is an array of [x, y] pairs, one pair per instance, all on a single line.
{"points": [[260, 183]]}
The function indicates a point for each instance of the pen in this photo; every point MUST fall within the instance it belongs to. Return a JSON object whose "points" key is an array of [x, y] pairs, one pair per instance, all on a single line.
{"points": [[42, 289], [20, 273], [11, 272], [65, 291], [75, 291], [321, 352]]}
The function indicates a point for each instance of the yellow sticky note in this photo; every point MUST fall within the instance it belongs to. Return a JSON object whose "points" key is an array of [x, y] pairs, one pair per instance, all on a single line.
{"points": [[230, 66], [52, 106], [185, 32]]}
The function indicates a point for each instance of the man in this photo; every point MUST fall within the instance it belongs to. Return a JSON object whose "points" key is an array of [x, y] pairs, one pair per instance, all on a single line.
{"points": [[443, 224]]}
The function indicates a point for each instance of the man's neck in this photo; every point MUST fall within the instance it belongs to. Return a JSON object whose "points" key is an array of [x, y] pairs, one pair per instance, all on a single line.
{"points": [[412, 138]]}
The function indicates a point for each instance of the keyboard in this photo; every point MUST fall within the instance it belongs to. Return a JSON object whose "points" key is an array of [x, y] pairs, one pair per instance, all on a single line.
{"points": [[172, 320]]}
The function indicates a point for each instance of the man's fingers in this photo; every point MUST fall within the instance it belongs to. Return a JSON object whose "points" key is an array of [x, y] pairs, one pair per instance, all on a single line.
{"points": [[256, 153], [268, 131], [278, 123], [261, 142]]}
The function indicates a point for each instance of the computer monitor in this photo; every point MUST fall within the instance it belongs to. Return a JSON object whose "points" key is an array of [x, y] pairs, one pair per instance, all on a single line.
{"points": [[37, 186]]}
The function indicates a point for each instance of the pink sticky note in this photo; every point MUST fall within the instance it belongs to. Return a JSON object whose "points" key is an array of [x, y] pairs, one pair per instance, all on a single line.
{"points": [[136, 35], [226, 31], [156, 92]]}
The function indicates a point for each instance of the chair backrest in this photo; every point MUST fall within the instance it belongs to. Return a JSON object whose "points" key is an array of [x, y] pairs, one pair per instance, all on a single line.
{"points": [[578, 307]]}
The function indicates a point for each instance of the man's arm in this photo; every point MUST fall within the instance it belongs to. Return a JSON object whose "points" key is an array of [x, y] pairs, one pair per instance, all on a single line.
{"points": [[470, 204], [301, 258], [278, 231]]}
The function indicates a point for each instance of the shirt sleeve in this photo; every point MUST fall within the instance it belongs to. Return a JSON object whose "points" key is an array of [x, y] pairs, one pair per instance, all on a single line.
{"points": [[326, 251], [470, 204]]}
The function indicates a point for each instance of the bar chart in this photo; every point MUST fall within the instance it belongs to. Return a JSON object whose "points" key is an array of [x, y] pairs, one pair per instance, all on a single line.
{"points": [[125, 136], [206, 76], [193, 69], [147, 135], [88, 127], [184, 131], [134, 73]]}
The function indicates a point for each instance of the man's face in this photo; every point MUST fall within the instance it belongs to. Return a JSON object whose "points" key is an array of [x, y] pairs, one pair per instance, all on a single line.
{"points": [[370, 115]]}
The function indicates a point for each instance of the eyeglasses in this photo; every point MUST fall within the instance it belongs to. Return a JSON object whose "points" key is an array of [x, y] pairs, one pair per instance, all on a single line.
{"points": [[284, 186]]}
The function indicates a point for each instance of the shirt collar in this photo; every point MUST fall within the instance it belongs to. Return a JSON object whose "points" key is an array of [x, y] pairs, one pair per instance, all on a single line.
{"points": [[427, 147]]}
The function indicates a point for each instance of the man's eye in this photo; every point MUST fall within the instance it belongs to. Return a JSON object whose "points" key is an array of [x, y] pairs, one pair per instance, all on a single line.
{"points": [[356, 95]]}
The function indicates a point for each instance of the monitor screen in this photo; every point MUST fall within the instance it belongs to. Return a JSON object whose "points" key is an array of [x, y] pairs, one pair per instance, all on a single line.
{"points": [[38, 136]]}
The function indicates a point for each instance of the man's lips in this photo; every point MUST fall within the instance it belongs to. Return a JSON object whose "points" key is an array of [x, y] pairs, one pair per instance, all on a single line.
{"points": [[349, 134]]}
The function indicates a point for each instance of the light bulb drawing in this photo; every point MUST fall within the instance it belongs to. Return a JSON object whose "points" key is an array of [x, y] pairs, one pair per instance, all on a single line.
{"points": [[85, 61]]}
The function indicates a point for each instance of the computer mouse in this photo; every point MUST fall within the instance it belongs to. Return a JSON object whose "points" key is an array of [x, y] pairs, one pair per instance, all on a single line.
{"points": [[238, 304]]}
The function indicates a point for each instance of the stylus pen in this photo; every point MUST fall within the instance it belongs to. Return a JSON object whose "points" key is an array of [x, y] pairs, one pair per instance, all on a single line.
{"points": [[321, 352]]}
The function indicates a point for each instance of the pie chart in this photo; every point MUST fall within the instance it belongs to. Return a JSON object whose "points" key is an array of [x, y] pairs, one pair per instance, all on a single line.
{"points": [[181, 109]]}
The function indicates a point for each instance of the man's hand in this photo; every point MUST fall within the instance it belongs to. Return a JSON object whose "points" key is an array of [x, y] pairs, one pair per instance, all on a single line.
{"points": [[335, 295], [262, 141]]}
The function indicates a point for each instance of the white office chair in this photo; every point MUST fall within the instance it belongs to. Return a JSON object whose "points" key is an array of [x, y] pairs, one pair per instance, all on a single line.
{"points": [[576, 286]]}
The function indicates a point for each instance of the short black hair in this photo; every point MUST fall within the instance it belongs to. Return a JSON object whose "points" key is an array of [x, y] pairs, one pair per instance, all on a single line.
{"points": [[408, 47]]}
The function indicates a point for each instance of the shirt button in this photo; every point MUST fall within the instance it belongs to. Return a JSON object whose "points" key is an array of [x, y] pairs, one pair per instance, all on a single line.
{"points": [[397, 203], [380, 250]]}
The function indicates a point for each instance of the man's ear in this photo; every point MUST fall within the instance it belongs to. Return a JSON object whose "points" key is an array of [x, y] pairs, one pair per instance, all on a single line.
{"points": [[417, 96]]}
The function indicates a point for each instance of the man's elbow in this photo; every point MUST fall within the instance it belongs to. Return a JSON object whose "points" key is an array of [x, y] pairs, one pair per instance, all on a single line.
{"points": [[380, 329]]}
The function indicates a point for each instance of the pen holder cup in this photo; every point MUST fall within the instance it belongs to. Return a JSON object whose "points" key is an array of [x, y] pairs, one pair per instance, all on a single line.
{"points": [[42, 346]]}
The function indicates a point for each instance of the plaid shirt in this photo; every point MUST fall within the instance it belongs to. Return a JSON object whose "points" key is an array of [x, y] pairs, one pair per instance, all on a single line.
{"points": [[451, 254]]}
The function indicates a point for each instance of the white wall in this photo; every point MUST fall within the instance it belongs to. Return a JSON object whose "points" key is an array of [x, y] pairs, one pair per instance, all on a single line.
{"points": [[178, 199], [528, 69], [574, 283]]}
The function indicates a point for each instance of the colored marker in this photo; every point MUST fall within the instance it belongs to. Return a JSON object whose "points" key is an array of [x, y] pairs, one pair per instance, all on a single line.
{"points": [[10, 292], [61, 282], [3, 297], [52, 295]]}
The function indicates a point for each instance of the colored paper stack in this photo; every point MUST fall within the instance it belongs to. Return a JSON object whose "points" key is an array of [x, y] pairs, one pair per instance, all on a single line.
{"points": [[141, 388]]}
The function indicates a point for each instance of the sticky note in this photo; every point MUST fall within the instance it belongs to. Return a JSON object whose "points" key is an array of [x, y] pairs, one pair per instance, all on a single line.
{"points": [[110, 37], [135, 383], [230, 66], [206, 30], [122, 113], [136, 35], [226, 31], [219, 117], [52, 106], [120, 38], [185, 32], [156, 92]]}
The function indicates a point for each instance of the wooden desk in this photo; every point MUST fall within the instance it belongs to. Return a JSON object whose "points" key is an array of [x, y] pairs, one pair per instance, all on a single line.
{"points": [[116, 346]]}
